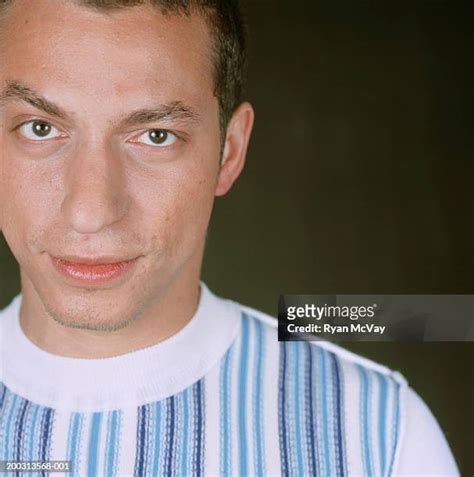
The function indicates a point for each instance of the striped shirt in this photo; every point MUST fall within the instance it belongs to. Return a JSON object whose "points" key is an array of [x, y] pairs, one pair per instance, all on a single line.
{"points": [[221, 397]]}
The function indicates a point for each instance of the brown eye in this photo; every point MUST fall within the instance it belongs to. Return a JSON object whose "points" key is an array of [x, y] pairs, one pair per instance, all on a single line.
{"points": [[37, 130], [41, 129], [157, 137]]}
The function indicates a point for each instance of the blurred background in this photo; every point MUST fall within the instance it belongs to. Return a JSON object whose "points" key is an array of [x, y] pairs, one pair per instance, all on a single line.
{"points": [[358, 177]]}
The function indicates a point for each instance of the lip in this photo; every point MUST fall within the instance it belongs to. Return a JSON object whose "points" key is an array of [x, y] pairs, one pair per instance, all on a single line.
{"points": [[93, 270]]}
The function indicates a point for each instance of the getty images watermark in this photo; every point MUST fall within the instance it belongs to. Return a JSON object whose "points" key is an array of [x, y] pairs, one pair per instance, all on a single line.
{"points": [[316, 312], [375, 317]]}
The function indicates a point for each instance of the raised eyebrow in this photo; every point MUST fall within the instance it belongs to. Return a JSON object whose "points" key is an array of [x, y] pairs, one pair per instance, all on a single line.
{"points": [[16, 91], [175, 111]]}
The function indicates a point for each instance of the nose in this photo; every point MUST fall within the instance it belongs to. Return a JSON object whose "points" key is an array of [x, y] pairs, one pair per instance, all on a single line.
{"points": [[95, 190]]}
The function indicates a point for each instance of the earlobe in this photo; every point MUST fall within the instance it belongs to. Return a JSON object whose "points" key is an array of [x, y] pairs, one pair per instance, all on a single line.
{"points": [[235, 147]]}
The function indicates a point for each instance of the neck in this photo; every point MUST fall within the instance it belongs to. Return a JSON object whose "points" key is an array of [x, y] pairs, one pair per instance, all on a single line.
{"points": [[171, 311]]}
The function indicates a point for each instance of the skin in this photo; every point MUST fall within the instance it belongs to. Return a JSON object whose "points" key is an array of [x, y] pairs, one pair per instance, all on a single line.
{"points": [[96, 186]]}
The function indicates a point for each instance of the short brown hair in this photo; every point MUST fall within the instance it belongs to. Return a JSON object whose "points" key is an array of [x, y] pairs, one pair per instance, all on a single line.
{"points": [[225, 21]]}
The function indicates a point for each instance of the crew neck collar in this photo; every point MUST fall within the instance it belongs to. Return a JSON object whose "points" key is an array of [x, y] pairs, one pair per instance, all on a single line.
{"points": [[128, 380]]}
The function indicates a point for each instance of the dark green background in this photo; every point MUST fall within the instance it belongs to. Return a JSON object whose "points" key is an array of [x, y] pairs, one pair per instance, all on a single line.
{"points": [[359, 175]]}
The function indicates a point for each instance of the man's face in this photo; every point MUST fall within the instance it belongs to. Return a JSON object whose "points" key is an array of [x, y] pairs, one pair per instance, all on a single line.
{"points": [[90, 168]]}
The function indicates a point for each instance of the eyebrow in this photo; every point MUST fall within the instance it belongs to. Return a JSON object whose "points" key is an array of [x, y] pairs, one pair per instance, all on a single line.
{"points": [[174, 111], [17, 91]]}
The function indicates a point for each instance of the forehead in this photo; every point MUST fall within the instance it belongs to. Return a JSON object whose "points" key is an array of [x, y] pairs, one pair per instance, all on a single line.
{"points": [[123, 54]]}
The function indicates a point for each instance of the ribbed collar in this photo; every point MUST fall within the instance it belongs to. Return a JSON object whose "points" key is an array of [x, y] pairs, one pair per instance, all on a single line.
{"points": [[128, 380]]}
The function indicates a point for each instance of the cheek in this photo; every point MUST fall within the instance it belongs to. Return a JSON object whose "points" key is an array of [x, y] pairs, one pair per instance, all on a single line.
{"points": [[177, 205], [27, 198]]}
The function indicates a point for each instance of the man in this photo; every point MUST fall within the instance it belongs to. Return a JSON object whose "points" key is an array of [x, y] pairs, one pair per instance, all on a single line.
{"points": [[120, 123]]}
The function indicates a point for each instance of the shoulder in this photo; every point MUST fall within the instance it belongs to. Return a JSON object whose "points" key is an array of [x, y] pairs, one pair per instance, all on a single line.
{"points": [[424, 449], [381, 417]]}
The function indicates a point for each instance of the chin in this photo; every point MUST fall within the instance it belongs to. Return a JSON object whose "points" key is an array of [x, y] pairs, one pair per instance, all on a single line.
{"points": [[92, 311], [92, 320]]}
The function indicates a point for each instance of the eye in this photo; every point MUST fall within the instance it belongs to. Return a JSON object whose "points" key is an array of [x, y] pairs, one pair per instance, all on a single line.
{"points": [[157, 137], [37, 130]]}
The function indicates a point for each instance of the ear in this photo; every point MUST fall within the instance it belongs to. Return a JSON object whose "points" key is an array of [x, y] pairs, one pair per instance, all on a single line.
{"points": [[235, 147]]}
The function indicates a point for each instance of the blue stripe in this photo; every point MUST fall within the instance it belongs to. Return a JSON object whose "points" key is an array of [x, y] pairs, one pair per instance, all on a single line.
{"points": [[311, 423], [183, 468], [69, 435], [74, 441], [242, 398], [282, 411], [199, 432], [46, 436], [322, 385], [43, 433], [2, 398], [259, 398], [157, 442], [93, 450], [33, 433], [296, 400], [382, 420], [3, 406], [395, 423], [170, 418], [338, 431], [141, 440], [365, 420], [225, 417], [112, 442]]}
